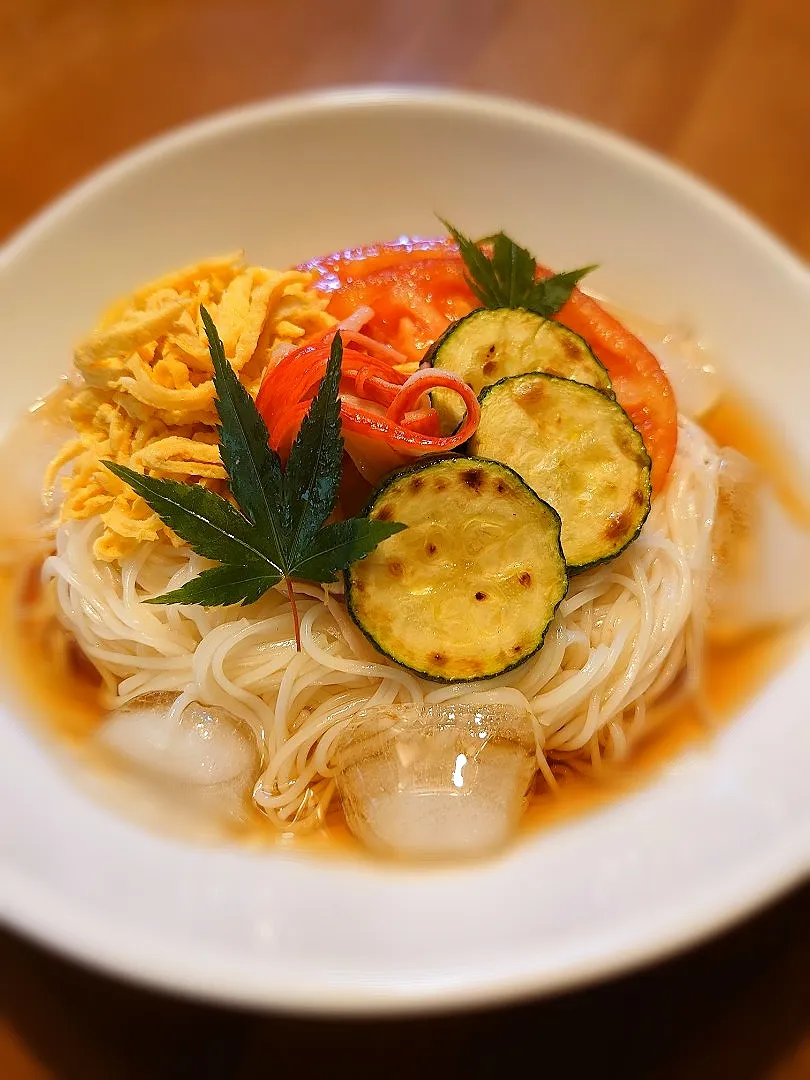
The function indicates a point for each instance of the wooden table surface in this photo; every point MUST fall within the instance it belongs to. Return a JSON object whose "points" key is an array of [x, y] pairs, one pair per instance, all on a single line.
{"points": [[721, 86]]}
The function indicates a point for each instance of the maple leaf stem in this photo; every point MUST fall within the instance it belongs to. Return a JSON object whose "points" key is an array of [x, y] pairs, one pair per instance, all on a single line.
{"points": [[296, 621]]}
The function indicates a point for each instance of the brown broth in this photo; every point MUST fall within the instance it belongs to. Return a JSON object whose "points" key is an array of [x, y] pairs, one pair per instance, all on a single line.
{"points": [[732, 675], [64, 693], [732, 422]]}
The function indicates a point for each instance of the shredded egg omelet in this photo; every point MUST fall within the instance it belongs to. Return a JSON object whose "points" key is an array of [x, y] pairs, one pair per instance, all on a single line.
{"points": [[145, 395]]}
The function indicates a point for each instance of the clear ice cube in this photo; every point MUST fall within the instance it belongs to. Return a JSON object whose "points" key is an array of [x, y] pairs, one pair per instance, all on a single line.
{"points": [[205, 745], [436, 781], [761, 552], [191, 773]]}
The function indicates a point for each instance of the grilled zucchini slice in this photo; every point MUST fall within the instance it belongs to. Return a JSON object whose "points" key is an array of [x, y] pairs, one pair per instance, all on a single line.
{"points": [[579, 451], [491, 344], [469, 588]]}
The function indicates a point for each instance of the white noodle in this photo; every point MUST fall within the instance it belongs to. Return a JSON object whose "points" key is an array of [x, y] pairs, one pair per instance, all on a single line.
{"points": [[623, 635]]}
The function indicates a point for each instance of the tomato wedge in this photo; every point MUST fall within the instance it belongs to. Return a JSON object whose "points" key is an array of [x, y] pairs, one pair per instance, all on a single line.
{"points": [[417, 287]]}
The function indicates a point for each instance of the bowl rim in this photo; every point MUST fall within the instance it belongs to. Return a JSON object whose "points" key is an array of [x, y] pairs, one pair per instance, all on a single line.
{"points": [[372, 96], [40, 916], [146, 961]]}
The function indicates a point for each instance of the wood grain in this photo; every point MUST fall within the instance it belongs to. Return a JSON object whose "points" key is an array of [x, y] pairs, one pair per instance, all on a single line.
{"points": [[721, 87]]}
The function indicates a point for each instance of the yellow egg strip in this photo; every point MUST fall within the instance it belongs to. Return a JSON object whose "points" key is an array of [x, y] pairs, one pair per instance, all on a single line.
{"points": [[146, 396]]}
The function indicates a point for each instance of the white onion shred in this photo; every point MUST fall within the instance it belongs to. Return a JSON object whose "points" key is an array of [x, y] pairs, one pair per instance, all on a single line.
{"points": [[357, 320], [279, 351]]}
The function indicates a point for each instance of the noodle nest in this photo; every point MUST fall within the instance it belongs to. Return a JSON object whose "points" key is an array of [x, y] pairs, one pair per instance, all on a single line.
{"points": [[626, 638]]}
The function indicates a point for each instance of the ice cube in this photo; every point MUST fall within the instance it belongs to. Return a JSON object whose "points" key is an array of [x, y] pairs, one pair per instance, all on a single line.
{"points": [[26, 450], [205, 745], [436, 781], [191, 774], [689, 368], [759, 572]]}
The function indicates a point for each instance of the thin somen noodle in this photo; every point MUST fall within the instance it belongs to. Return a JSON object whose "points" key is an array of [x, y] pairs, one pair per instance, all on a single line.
{"points": [[627, 632]]}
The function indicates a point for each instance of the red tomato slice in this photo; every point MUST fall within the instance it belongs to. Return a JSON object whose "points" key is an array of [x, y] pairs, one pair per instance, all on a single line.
{"points": [[641, 387], [414, 302], [341, 267], [418, 287]]}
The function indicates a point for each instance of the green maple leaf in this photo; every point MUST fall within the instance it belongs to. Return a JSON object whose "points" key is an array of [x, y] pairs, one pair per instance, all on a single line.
{"points": [[507, 277], [277, 530]]}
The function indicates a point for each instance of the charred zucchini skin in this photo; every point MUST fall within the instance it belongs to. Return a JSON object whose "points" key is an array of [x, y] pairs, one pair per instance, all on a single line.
{"points": [[491, 344], [549, 412], [475, 474]]}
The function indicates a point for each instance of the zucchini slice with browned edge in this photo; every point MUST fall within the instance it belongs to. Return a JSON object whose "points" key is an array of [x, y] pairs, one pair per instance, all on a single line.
{"points": [[469, 588], [491, 344], [579, 451]]}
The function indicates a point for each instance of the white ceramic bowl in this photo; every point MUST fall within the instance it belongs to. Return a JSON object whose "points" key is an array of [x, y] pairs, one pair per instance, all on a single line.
{"points": [[724, 829]]}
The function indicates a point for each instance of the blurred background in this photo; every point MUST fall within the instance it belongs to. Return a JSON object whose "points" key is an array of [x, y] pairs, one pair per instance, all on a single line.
{"points": [[720, 87]]}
